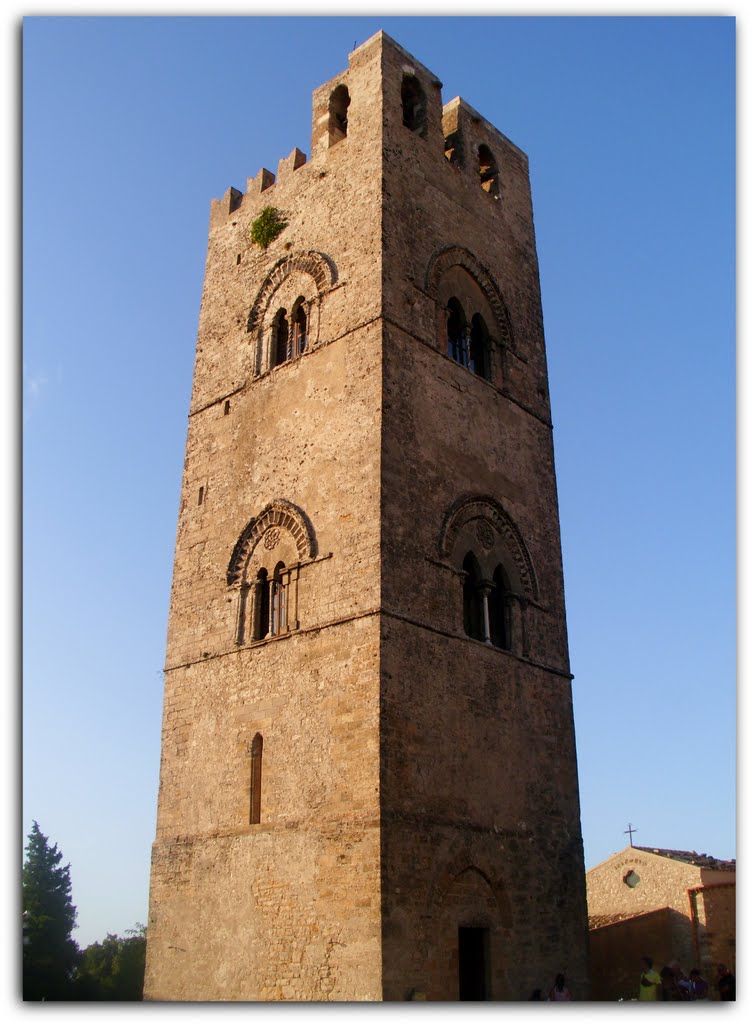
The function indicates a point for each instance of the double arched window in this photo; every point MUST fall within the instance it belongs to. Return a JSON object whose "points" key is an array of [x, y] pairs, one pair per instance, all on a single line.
{"points": [[468, 344], [289, 342], [472, 322], [283, 322], [265, 568], [495, 578], [486, 604]]}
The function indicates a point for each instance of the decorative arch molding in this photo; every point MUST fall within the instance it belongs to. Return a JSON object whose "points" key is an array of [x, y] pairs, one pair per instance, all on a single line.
{"points": [[316, 264], [457, 256], [489, 514], [451, 870], [279, 514]]}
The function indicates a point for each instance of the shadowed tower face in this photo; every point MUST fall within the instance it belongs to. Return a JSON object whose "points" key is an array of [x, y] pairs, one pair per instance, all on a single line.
{"points": [[368, 786]]}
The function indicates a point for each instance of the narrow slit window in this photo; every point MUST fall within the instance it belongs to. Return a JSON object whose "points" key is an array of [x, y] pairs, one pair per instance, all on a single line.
{"points": [[227, 408], [201, 495], [257, 749]]}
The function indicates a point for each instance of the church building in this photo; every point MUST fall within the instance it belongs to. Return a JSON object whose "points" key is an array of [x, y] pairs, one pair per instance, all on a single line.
{"points": [[675, 906]]}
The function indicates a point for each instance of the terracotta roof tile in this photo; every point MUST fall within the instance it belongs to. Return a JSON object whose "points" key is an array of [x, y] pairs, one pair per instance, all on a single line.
{"points": [[601, 920], [700, 860]]}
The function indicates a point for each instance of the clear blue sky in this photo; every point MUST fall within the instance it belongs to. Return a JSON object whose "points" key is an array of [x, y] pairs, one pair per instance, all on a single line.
{"points": [[130, 127]]}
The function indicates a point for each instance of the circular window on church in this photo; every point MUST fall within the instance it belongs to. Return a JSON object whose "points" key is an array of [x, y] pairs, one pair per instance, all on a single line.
{"points": [[632, 879]]}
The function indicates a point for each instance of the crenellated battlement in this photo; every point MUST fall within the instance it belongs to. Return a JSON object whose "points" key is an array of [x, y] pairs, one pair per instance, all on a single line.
{"points": [[233, 198], [383, 80]]}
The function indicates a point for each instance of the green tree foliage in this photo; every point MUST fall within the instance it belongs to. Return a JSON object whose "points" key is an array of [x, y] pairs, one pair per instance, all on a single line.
{"points": [[114, 968], [49, 953]]}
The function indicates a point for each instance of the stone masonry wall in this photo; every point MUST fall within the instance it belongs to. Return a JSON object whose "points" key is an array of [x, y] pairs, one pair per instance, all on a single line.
{"points": [[717, 914], [479, 778], [249, 912], [462, 727], [663, 883], [479, 772], [287, 908]]}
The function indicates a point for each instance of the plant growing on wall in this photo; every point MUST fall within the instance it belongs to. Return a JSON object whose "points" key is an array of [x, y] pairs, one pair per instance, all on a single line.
{"points": [[267, 226]]}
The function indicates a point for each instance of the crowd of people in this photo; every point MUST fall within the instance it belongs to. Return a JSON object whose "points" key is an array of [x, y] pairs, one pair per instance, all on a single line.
{"points": [[673, 985], [670, 985]]}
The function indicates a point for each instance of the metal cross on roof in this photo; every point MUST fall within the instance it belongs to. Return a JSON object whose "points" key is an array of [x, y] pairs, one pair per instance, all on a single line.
{"points": [[630, 830]]}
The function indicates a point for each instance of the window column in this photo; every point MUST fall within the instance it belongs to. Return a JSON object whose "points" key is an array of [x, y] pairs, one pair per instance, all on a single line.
{"points": [[484, 589]]}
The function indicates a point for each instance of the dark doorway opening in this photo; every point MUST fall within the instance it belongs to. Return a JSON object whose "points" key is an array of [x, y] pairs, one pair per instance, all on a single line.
{"points": [[473, 955]]}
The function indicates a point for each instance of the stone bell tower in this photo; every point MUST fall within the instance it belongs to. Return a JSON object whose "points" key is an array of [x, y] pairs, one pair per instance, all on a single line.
{"points": [[368, 785]]}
